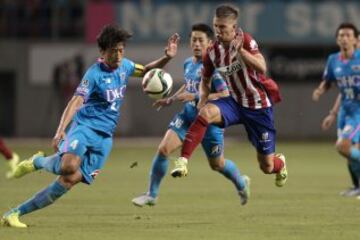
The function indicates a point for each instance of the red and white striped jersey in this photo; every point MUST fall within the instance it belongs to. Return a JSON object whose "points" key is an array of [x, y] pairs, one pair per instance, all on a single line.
{"points": [[246, 85]]}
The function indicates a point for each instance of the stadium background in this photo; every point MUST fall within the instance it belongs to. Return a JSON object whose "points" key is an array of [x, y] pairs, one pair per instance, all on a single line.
{"points": [[37, 36]]}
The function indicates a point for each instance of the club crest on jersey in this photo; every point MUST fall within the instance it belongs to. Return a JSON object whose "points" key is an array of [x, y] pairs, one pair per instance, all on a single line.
{"points": [[338, 69], [230, 69], [355, 68], [107, 80], [122, 76]]}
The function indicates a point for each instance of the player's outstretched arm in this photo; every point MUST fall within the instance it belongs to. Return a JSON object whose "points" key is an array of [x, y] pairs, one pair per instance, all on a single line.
{"points": [[214, 96], [331, 117], [204, 91], [320, 90], [170, 52], [74, 104]]}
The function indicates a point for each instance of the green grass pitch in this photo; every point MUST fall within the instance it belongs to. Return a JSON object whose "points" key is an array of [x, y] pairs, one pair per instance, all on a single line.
{"points": [[204, 205]]}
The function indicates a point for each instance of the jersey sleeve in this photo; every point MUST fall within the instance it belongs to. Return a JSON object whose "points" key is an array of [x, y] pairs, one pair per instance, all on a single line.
{"points": [[250, 44], [218, 83], [135, 69], [86, 85], [328, 74], [208, 68]]}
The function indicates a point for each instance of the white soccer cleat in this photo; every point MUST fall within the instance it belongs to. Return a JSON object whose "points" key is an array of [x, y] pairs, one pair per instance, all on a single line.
{"points": [[144, 199], [245, 193], [351, 192]]}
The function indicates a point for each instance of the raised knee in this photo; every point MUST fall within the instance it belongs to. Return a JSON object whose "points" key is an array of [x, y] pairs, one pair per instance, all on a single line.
{"points": [[70, 165], [205, 113], [217, 165], [266, 168], [164, 151], [343, 147]]}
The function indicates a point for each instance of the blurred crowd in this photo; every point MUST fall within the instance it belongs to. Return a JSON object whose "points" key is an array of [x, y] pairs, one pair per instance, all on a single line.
{"points": [[41, 18]]}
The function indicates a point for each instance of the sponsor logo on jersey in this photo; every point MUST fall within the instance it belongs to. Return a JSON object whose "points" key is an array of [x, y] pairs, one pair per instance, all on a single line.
{"points": [[230, 69], [348, 81], [114, 94]]}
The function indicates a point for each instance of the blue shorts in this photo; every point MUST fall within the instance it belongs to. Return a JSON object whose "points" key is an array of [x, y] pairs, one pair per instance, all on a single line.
{"points": [[91, 146], [213, 142], [348, 125], [259, 123]]}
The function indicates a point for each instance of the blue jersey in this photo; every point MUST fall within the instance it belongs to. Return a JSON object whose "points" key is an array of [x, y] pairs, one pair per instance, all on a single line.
{"points": [[103, 90], [192, 78], [346, 73]]}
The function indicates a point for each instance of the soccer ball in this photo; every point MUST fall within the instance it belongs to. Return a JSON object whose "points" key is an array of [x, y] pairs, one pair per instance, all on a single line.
{"points": [[157, 83]]}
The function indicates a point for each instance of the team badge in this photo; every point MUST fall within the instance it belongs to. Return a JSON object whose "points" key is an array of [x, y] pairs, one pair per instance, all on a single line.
{"points": [[122, 76], [355, 68], [265, 136], [85, 83], [107, 80], [338, 69]]}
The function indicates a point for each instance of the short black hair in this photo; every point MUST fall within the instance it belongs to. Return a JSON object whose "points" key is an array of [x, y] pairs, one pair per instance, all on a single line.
{"points": [[202, 27], [227, 10], [349, 26], [111, 35]]}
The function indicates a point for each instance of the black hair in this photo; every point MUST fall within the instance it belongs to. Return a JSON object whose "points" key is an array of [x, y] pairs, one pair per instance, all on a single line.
{"points": [[202, 27], [349, 26], [110, 36], [227, 10]]}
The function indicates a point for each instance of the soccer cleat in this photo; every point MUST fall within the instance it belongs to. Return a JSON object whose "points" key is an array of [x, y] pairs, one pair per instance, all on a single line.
{"points": [[11, 219], [351, 192], [144, 199], [245, 193], [26, 166], [180, 169], [281, 177], [12, 165]]}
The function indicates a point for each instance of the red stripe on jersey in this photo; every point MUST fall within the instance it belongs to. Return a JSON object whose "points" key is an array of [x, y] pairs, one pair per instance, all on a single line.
{"points": [[217, 54], [235, 89], [260, 89]]}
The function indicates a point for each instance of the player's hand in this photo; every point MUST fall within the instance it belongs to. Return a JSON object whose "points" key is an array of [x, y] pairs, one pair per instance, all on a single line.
{"points": [[171, 48], [238, 42], [328, 121], [201, 103], [56, 140], [162, 102], [185, 97], [316, 94]]}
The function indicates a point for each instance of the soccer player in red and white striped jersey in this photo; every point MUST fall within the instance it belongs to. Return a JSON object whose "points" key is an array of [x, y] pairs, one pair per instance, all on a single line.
{"points": [[236, 56]]}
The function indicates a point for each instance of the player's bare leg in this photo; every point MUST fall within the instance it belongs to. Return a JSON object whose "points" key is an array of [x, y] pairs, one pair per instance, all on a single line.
{"points": [[210, 113], [274, 164], [168, 145]]}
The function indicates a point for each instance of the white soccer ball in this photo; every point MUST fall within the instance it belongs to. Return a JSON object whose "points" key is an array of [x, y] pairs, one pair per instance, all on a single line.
{"points": [[157, 83]]}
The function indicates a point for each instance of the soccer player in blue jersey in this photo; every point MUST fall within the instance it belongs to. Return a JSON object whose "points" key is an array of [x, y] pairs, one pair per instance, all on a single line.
{"points": [[83, 139], [343, 68], [213, 143]]}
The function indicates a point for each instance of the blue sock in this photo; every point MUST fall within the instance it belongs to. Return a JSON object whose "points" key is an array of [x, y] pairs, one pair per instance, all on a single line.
{"points": [[353, 170], [158, 170], [355, 153], [43, 198], [231, 172], [51, 163]]}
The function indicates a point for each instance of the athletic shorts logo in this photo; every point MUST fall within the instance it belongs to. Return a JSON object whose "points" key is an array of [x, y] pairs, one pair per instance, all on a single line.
{"points": [[94, 173], [347, 129], [216, 150]]}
